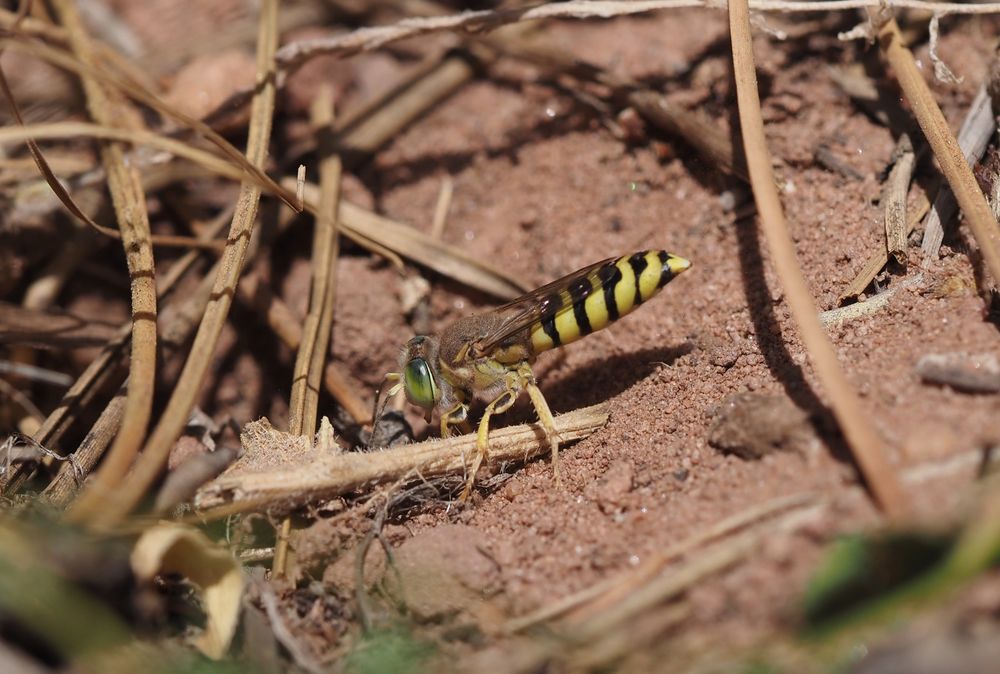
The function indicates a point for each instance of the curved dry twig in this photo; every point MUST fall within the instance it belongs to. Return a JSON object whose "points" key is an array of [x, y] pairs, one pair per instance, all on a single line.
{"points": [[868, 448]]}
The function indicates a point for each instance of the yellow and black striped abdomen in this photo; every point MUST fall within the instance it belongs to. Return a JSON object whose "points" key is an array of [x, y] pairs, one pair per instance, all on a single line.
{"points": [[604, 295]]}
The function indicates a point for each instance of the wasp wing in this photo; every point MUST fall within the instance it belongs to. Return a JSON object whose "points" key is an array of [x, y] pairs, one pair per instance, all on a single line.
{"points": [[541, 303]]}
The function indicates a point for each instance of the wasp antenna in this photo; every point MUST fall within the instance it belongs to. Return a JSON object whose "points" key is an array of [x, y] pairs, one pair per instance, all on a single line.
{"points": [[377, 409]]}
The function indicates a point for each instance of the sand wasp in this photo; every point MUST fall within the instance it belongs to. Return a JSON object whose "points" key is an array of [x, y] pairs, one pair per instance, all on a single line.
{"points": [[489, 356]]}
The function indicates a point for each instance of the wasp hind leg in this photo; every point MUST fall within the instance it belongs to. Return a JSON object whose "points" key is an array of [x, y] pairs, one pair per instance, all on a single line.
{"points": [[501, 404], [544, 416]]}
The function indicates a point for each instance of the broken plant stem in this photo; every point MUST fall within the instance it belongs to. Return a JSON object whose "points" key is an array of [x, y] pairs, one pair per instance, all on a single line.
{"points": [[897, 186], [333, 474]]}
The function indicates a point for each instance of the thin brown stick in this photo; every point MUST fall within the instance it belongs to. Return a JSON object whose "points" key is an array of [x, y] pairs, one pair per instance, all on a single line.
{"points": [[182, 400], [287, 327], [48, 329], [377, 233], [33, 416], [308, 371], [868, 448], [319, 320], [338, 385], [109, 109], [694, 128], [333, 474], [946, 149], [610, 647], [870, 306], [710, 560], [441, 207], [65, 485]]}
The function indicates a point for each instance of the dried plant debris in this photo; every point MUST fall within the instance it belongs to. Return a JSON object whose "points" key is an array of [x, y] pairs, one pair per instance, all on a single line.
{"points": [[971, 373], [753, 425]]}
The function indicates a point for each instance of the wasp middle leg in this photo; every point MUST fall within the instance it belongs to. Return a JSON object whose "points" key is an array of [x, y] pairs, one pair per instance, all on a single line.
{"points": [[500, 404]]}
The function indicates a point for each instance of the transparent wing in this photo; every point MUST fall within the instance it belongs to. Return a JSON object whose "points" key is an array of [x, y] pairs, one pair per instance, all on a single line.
{"points": [[540, 304]]}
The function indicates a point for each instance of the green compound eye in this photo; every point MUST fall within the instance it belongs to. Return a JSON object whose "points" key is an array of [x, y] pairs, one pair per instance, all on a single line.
{"points": [[419, 384]]}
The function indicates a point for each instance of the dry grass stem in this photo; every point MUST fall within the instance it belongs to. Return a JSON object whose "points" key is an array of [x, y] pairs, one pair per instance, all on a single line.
{"points": [[421, 248], [880, 258], [338, 385], [308, 372], [49, 329], [377, 233], [333, 474], [896, 187], [970, 373], [35, 373], [946, 149], [612, 648], [319, 320], [139, 93], [182, 400], [974, 136], [110, 109], [139, 137], [295, 54], [868, 448], [178, 321]]}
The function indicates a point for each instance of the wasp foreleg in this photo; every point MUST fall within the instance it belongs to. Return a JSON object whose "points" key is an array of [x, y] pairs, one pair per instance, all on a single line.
{"points": [[456, 416]]}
